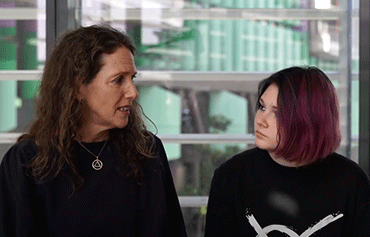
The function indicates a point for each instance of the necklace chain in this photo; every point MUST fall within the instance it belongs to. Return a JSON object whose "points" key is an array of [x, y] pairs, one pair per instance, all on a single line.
{"points": [[97, 164]]}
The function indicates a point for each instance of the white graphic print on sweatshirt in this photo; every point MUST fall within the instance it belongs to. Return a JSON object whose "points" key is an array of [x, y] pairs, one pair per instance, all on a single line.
{"points": [[262, 232]]}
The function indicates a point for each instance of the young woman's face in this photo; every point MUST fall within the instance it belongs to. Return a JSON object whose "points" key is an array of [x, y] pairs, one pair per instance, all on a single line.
{"points": [[110, 94], [265, 124]]}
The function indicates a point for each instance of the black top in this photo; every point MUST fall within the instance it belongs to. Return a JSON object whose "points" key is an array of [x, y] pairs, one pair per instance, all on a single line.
{"points": [[252, 195], [109, 204]]}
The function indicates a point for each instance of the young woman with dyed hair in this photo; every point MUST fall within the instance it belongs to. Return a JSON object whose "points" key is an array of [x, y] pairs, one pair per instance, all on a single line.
{"points": [[293, 183]]}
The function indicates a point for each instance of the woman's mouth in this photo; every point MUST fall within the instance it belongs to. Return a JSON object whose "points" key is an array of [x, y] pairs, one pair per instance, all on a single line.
{"points": [[124, 109], [260, 135]]}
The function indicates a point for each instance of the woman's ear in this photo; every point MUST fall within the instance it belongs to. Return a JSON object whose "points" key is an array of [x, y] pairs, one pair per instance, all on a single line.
{"points": [[81, 92]]}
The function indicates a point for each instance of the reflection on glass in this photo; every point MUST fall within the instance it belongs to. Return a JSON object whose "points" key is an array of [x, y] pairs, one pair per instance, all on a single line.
{"points": [[178, 43], [193, 176], [170, 39], [195, 218], [23, 48]]}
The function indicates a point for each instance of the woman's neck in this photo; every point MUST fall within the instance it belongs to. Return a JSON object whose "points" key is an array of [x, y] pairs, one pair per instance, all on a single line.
{"points": [[284, 162], [92, 135]]}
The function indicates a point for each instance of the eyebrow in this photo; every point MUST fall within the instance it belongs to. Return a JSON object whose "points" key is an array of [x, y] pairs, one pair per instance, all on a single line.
{"points": [[123, 73], [262, 102]]}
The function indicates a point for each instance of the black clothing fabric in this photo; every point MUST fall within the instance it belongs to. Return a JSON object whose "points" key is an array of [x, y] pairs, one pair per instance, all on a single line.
{"points": [[109, 204], [252, 195]]}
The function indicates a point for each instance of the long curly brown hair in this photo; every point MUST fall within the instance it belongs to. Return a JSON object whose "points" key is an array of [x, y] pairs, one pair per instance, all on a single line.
{"points": [[76, 60]]}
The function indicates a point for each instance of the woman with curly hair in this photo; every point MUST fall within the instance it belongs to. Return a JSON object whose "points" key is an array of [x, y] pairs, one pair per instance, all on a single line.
{"points": [[88, 166]]}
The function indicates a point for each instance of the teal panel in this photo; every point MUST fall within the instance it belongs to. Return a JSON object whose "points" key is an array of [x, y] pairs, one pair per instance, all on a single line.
{"points": [[250, 3], [227, 46], [270, 50], [313, 61], [228, 3], [238, 40], [296, 3], [270, 3], [355, 106], [305, 54], [280, 49], [8, 109], [355, 65], [279, 4], [289, 3], [289, 52], [239, 45], [188, 54], [260, 4], [28, 61], [202, 45], [215, 41], [297, 48], [233, 108], [261, 44], [250, 49], [163, 107], [215, 3], [8, 89]]}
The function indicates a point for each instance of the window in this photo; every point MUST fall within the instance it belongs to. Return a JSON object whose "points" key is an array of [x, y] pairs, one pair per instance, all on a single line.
{"points": [[199, 64]]}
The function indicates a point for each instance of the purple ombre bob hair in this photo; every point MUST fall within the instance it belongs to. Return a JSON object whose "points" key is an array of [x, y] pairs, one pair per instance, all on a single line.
{"points": [[307, 116]]}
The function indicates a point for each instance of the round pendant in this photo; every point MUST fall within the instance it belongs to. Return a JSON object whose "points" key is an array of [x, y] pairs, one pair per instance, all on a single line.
{"points": [[97, 164]]}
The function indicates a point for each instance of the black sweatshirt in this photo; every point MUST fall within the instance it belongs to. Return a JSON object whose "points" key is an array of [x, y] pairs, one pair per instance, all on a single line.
{"points": [[109, 204], [252, 195]]}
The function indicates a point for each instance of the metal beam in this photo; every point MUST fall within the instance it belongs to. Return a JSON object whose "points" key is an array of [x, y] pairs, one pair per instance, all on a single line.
{"points": [[364, 139], [198, 81], [223, 14], [22, 13], [193, 201], [189, 138], [56, 21]]}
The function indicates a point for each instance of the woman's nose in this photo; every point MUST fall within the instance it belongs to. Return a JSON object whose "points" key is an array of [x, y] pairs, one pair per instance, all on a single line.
{"points": [[131, 91], [261, 120]]}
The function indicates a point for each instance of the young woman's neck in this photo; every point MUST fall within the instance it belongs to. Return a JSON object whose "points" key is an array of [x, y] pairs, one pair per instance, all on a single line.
{"points": [[284, 162]]}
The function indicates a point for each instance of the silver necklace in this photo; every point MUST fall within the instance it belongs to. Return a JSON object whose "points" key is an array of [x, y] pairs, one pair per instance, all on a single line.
{"points": [[96, 164]]}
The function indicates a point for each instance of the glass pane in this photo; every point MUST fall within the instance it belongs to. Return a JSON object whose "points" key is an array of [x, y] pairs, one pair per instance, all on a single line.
{"points": [[194, 173], [195, 218], [202, 68], [22, 44], [355, 98]]}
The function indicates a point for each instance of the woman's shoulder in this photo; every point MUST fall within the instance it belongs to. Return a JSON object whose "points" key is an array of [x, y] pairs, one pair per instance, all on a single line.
{"points": [[21, 152], [242, 160], [155, 139], [157, 147], [346, 167]]}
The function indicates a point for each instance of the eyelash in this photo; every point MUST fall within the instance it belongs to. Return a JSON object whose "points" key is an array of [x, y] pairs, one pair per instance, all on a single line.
{"points": [[260, 106], [119, 79]]}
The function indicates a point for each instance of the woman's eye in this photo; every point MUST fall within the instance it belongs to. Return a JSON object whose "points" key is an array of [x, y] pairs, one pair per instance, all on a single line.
{"points": [[118, 80], [261, 107]]}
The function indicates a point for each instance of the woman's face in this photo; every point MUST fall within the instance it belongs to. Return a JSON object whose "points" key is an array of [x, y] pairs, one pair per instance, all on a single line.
{"points": [[110, 94], [265, 123]]}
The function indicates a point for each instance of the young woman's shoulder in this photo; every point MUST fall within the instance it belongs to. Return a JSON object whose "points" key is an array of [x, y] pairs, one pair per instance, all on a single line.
{"points": [[347, 168], [243, 160]]}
